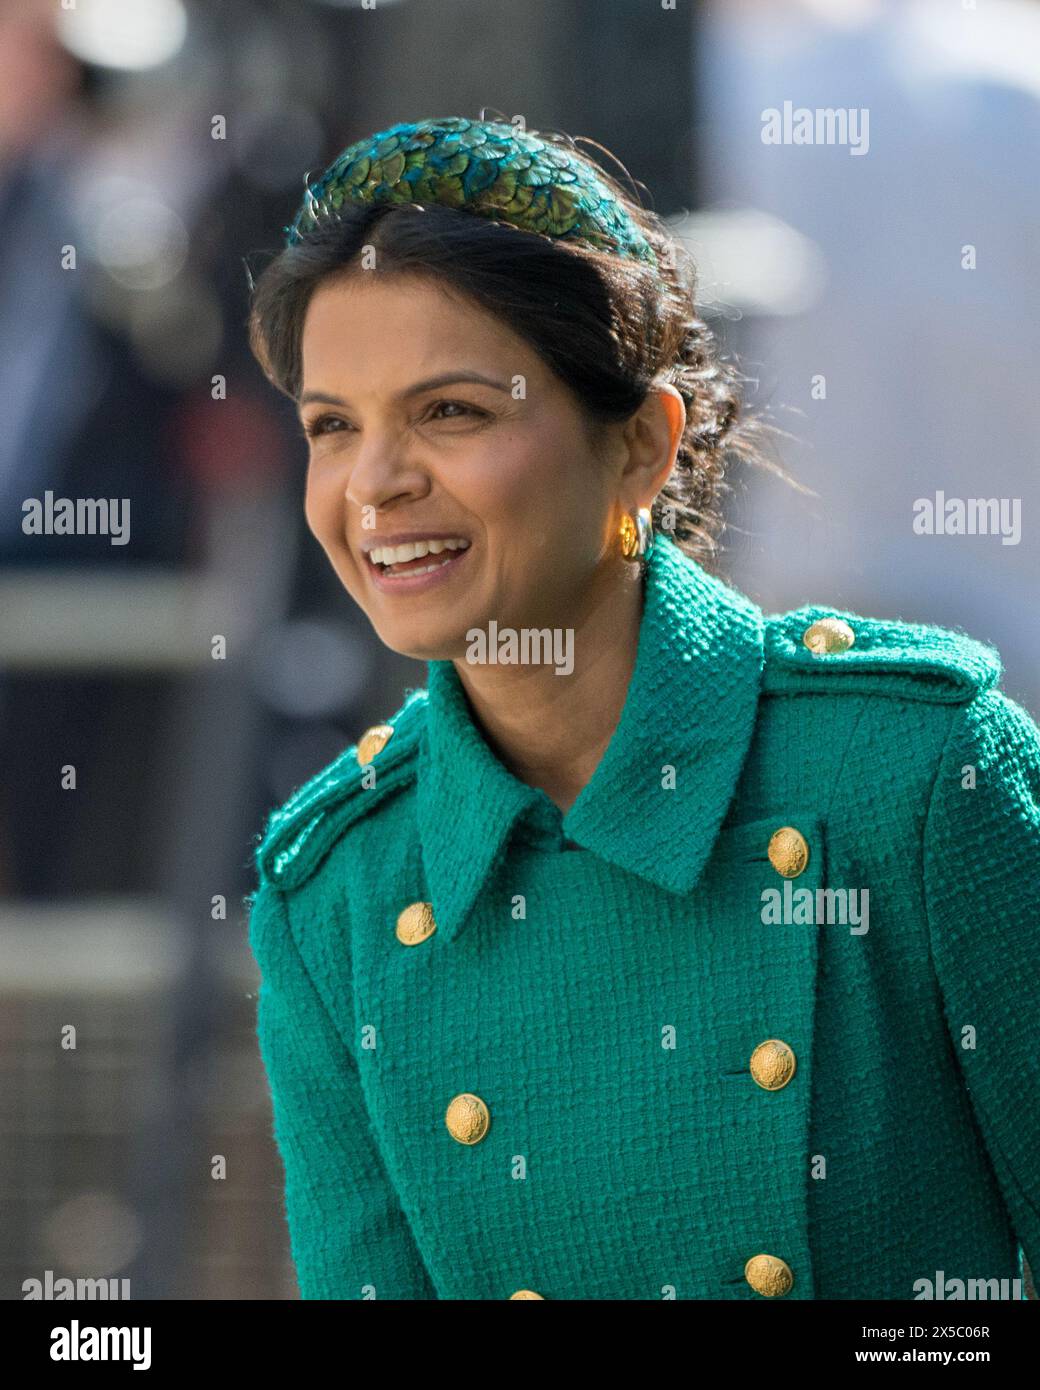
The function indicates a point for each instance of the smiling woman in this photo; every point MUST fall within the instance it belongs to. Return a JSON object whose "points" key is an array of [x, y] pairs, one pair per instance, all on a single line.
{"points": [[605, 327], [502, 1069], [467, 466]]}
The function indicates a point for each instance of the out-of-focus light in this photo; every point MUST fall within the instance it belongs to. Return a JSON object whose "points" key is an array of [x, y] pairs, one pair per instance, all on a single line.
{"points": [[351, 4], [93, 1234], [127, 34], [997, 42], [305, 669], [845, 14], [749, 260], [141, 241]]}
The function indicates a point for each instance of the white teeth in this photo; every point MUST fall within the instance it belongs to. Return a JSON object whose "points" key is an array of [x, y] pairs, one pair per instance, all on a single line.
{"points": [[425, 569], [414, 550]]}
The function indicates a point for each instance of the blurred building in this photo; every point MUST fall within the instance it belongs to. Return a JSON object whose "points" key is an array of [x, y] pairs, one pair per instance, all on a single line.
{"points": [[854, 279]]}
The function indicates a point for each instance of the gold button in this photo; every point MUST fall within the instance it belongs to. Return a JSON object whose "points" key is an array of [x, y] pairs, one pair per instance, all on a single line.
{"points": [[415, 924], [788, 851], [467, 1118], [827, 636], [373, 741], [772, 1064], [526, 1293], [769, 1275]]}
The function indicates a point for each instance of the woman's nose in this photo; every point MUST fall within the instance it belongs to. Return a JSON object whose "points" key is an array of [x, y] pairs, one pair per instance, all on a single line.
{"points": [[382, 470]]}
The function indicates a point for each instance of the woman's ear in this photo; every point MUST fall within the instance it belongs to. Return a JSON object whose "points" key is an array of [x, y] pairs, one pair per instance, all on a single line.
{"points": [[653, 436], [674, 407]]}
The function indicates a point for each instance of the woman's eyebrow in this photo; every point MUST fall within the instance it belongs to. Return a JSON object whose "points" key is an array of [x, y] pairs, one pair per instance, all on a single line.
{"points": [[430, 384]]}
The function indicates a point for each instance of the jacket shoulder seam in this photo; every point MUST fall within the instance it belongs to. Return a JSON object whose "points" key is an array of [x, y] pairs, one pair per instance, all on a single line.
{"points": [[815, 648], [299, 833]]}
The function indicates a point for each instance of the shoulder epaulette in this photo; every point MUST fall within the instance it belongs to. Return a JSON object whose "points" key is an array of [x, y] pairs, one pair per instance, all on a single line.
{"points": [[299, 833], [813, 648]]}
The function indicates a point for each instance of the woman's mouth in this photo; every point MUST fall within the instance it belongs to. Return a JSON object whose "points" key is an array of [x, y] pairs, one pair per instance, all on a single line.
{"points": [[415, 565]]}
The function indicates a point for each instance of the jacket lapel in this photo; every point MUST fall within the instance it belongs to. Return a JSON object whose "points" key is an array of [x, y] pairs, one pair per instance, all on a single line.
{"points": [[688, 720], [656, 802]]}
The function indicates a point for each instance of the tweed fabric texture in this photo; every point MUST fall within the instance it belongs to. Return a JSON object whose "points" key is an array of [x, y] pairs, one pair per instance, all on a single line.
{"points": [[604, 1001]]}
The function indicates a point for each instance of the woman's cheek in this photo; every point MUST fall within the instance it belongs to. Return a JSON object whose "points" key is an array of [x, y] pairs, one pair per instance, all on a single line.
{"points": [[321, 508], [509, 484]]}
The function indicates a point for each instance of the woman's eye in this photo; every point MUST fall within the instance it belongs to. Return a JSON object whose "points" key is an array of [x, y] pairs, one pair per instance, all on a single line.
{"points": [[319, 425], [327, 424], [456, 405]]}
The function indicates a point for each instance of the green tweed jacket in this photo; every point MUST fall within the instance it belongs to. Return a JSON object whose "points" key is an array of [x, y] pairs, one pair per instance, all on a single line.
{"points": [[756, 1018]]}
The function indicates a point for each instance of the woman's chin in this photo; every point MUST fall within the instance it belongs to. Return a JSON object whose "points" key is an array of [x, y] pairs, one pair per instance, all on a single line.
{"points": [[426, 643]]}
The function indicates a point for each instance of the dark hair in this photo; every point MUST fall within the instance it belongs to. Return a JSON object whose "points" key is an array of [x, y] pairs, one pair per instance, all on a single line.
{"points": [[609, 327]]}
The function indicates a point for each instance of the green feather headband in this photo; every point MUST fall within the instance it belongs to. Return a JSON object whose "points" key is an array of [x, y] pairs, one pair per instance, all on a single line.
{"points": [[484, 167]]}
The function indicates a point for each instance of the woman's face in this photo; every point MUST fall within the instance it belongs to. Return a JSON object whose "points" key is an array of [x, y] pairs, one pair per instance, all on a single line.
{"points": [[504, 465]]}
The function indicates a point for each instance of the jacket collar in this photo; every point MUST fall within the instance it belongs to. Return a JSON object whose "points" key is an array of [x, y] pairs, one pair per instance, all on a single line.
{"points": [[691, 705]]}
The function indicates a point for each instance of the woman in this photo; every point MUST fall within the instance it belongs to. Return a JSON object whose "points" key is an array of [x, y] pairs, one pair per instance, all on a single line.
{"points": [[657, 948]]}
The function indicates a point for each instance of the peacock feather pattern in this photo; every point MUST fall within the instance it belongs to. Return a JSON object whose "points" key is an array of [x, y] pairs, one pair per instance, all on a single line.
{"points": [[488, 168]]}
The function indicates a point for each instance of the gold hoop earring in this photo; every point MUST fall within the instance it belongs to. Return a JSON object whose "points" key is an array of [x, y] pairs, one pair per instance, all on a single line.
{"points": [[637, 535]]}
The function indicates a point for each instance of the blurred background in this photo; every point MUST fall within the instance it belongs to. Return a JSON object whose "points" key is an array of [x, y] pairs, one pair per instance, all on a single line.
{"points": [[880, 293]]}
